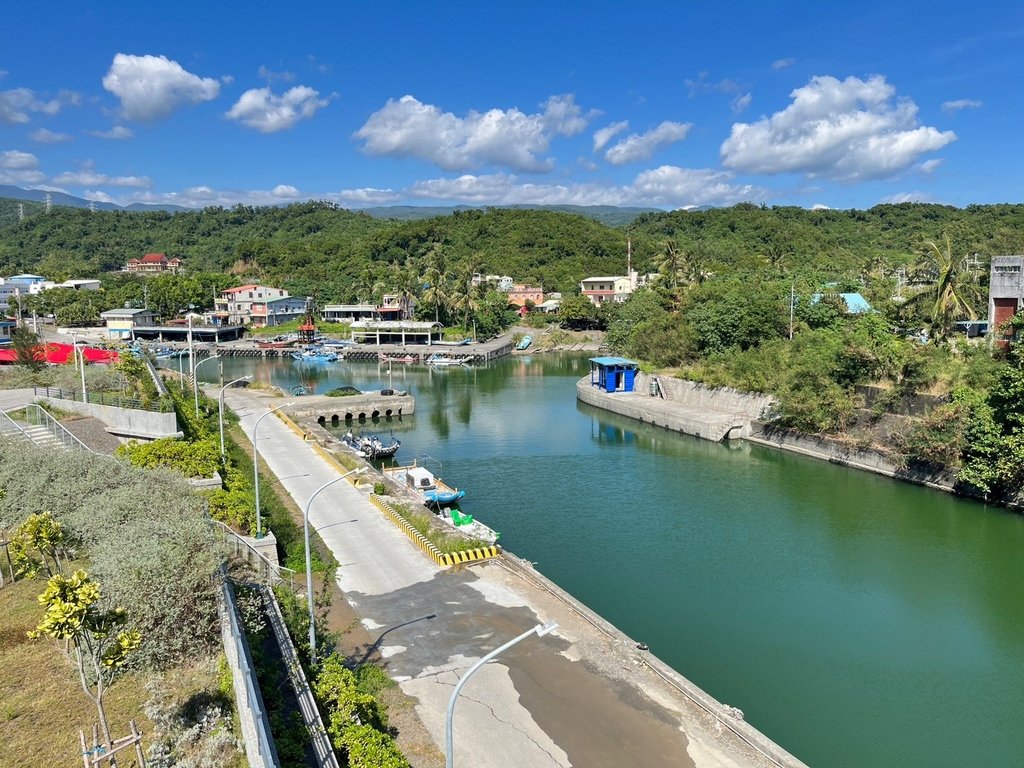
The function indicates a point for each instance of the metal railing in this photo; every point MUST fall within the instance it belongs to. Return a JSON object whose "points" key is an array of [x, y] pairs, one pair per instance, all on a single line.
{"points": [[161, 405], [324, 752], [266, 753], [266, 572], [34, 415], [10, 427]]}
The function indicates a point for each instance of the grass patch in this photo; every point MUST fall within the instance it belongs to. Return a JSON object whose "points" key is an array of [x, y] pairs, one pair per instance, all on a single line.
{"points": [[447, 542], [283, 515]]}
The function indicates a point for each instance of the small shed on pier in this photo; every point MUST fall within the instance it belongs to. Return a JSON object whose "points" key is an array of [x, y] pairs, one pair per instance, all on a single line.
{"points": [[613, 374]]}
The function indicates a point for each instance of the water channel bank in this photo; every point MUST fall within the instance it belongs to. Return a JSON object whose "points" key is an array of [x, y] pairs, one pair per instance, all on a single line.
{"points": [[857, 621]]}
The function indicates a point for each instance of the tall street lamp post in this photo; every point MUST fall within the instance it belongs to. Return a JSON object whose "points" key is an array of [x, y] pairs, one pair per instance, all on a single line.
{"points": [[195, 379], [540, 630], [220, 410], [256, 465], [309, 560]]}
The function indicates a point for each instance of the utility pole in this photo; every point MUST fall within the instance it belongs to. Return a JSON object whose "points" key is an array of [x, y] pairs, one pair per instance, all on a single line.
{"points": [[792, 303]]}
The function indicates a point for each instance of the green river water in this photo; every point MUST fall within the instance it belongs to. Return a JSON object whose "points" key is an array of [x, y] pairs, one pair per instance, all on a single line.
{"points": [[858, 621]]}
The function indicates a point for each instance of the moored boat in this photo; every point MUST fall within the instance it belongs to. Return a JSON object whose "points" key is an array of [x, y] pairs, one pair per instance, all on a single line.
{"points": [[370, 446], [524, 343], [278, 343], [440, 497], [439, 360], [315, 355]]}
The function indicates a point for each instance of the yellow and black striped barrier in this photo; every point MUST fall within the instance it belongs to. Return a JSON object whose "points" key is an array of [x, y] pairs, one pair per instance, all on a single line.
{"points": [[443, 559]]}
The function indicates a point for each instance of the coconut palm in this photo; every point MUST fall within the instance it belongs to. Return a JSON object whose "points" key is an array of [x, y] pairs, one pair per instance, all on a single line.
{"points": [[669, 261], [953, 294]]}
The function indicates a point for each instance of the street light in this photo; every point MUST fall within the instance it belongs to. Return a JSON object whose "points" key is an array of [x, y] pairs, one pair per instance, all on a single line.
{"points": [[195, 379], [74, 360], [540, 630], [220, 410], [256, 465], [309, 561]]}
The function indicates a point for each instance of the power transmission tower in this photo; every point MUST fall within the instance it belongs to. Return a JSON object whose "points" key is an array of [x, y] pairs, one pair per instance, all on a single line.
{"points": [[92, 206], [21, 211], [49, 202]]}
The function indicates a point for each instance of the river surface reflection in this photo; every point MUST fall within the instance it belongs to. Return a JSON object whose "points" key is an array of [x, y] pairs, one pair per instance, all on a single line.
{"points": [[856, 620]]}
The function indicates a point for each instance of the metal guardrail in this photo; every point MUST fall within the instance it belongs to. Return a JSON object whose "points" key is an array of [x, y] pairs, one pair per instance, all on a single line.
{"points": [[162, 405], [266, 753], [267, 572], [325, 757], [8, 426], [35, 415]]}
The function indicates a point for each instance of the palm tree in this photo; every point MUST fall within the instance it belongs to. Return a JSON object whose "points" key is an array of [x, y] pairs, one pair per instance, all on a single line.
{"points": [[435, 291], [465, 295], [405, 281], [952, 295], [668, 261]]}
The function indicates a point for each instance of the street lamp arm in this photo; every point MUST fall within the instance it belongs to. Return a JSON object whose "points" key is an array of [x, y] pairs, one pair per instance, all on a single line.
{"points": [[309, 559], [540, 630]]}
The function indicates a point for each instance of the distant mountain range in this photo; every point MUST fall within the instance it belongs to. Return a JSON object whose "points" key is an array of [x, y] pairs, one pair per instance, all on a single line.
{"points": [[606, 214], [70, 201]]}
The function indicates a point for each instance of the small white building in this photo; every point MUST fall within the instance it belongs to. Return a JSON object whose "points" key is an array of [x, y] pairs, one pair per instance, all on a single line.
{"points": [[122, 322]]}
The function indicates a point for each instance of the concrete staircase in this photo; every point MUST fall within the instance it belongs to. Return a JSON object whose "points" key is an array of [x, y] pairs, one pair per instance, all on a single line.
{"points": [[42, 437]]}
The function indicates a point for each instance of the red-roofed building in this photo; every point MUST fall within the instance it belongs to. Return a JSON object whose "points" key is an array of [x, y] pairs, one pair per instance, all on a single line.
{"points": [[154, 263]]}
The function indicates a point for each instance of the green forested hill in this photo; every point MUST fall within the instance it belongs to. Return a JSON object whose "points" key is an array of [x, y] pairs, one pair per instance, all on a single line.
{"points": [[836, 241], [334, 254]]}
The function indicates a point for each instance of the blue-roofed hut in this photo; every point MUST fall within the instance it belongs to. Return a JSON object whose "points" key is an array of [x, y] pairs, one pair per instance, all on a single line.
{"points": [[613, 374]]}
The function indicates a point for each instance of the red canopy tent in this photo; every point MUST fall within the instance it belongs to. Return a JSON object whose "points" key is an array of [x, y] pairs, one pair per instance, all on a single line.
{"points": [[59, 354]]}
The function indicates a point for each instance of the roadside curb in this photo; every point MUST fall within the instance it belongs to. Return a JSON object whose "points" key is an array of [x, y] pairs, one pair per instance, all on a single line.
{"points": [[442, 559]]}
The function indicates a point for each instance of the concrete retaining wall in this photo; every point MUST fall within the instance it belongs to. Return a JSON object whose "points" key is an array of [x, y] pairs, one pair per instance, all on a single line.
{"points": [[697, 395], [366, 405], [126, 422], [836, 452]]}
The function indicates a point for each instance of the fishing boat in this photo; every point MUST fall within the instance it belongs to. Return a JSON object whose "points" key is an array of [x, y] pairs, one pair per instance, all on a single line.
{"points": [[421, 481], [315, 355], [524, 343], [441, 498], [370, 446], [384, 357], [439, 360], [278, 343]]}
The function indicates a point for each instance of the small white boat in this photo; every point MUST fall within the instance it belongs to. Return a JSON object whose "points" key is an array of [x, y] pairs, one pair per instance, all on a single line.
{"points": [[439, 360]]}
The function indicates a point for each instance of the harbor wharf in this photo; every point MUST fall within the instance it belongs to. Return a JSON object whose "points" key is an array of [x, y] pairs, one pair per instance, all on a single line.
{"points": [[476, 352], [585, 695]]}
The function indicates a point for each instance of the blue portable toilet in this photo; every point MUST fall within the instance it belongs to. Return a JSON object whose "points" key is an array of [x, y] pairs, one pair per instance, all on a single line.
{"points": [[613, 374]]}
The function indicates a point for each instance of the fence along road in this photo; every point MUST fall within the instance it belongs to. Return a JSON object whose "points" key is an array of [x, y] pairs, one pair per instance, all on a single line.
{"points": [[572, 698]]}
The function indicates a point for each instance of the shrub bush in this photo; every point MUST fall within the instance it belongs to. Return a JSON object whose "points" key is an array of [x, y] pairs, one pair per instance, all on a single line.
{"points": [[193, 459]]}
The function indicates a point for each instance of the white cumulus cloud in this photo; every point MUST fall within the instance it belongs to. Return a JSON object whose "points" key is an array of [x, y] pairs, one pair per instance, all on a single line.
{"points": [[285, 191], [845, 130], [18, 167], [956, 105], [603, 135], [116, 133], [510, 138], [89, 177], [17, 104], [152, 87], [640, 146], [667, 186], [44, 136], [259, 108], [782, 64], [909, 197]]}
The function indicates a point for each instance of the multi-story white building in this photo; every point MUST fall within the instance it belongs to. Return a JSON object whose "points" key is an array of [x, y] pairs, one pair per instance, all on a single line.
{"points": [[258, 305]]}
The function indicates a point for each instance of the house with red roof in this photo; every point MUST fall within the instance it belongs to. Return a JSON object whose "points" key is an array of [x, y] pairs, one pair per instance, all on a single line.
{"points": [[154, 263]]}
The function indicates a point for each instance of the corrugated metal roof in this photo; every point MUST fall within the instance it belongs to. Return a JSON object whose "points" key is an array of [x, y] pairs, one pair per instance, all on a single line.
{"points": [[608, 361]]}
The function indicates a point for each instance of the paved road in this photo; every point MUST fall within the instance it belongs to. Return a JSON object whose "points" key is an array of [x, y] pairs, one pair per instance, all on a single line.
{"points": [[571, 698], [12, 398]]}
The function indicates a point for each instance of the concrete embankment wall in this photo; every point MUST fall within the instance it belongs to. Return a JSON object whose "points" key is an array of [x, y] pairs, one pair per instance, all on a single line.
{"points": [[828, 449], [697, 395], [127, 422]]}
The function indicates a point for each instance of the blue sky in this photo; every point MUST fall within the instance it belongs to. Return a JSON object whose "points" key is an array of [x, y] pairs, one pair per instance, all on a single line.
{"points": [[666, 105]]}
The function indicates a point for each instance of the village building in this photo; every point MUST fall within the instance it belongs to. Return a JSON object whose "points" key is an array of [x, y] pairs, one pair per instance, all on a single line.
{"points": [[396, 332], [601, 290], [257, 305], [520, 294], [347, 313], [121, 323], [1005, 293], [154, 264]]}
